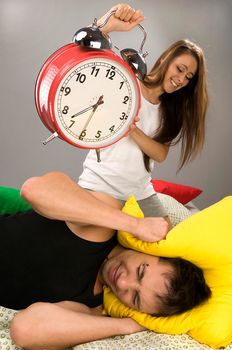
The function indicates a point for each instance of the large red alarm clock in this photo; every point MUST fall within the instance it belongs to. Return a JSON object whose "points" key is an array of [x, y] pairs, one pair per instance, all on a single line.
{"points": [[88, 97]]}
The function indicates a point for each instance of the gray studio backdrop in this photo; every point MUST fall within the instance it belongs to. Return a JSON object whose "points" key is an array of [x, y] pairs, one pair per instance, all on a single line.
{"points": [[31, 30]]}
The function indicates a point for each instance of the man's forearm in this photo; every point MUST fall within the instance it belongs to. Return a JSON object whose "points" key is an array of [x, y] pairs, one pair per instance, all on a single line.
{"points": [[45, 325]]}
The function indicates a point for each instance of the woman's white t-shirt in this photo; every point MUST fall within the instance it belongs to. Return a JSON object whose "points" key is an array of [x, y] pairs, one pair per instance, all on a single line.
{"points": [[121, 171]]}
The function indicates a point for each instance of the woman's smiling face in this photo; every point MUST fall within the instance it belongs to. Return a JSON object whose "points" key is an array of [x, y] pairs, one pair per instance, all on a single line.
{"points": [[137, 279], [180, 71]]}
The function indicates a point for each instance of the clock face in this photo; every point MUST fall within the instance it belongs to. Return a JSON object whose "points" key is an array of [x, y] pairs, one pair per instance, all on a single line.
{"points": [[96, 102]]}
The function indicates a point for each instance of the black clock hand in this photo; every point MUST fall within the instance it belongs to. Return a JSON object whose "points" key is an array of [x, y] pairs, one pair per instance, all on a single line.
{"points": [[87, 109], [99, 102], [83, 111]]}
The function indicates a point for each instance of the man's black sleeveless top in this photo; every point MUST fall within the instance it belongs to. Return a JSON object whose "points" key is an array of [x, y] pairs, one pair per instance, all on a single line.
{"points": [[42, 260]]}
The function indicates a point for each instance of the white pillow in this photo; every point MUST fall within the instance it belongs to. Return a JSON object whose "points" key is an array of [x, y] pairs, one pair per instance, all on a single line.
{"points": [[176, 211]]}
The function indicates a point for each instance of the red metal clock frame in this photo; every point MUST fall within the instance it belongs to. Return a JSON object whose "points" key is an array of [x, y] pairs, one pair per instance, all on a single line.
{"points": [[52, 73]]}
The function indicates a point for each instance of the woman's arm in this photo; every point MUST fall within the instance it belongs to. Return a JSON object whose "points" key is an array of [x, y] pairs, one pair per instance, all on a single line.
{"points": [[124, 19], [155, 150], [50, 326]]}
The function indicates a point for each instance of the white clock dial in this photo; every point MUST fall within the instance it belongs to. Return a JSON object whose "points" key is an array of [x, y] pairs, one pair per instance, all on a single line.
{"points": [[96, 102]]}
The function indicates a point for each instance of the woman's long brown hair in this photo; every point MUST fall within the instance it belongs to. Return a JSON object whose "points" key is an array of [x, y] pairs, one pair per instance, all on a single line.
{"points": [[182, 113]]}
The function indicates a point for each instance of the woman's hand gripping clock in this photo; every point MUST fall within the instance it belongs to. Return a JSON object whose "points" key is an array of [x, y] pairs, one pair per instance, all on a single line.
{"points": [[124, 19]]}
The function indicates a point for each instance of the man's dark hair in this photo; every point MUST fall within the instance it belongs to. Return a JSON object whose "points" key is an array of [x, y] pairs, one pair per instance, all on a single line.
{"points": [[186, 287]]}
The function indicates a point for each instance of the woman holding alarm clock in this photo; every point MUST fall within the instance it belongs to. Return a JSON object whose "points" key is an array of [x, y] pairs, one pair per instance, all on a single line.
{"points": [[174, 102]]}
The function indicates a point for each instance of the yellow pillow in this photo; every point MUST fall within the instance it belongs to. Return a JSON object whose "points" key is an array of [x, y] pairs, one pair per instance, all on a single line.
{"points": [[205, 239]]}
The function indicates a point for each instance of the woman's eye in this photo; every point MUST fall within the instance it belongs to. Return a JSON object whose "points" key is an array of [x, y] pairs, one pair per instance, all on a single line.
{"points": [[179, 69]]}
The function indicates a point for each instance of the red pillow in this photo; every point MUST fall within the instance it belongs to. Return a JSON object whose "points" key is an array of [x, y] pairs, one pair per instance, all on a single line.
{"points": [[181, 193]]}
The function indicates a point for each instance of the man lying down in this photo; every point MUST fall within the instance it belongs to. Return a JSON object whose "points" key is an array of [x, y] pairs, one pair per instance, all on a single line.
{"points": [[62, 253]]}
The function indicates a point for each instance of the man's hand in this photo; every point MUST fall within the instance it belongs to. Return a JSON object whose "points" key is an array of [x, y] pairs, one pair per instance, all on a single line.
{"points": [[152, 229], [124, 19], [130, 326]]}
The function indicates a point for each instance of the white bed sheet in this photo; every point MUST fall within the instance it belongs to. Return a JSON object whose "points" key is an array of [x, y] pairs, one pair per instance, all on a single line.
{"points": [[146, 340]]}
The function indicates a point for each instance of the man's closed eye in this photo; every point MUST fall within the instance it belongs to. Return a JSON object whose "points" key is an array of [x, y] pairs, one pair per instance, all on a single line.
{"points": [[140, 271]]}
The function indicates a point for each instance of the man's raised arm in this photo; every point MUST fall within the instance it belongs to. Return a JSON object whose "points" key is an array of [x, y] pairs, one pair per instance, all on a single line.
{"points": [[56, 196]]}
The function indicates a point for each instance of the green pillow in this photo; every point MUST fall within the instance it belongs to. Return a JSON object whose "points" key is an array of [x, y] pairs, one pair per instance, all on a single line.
{"points": [[11, 202]]}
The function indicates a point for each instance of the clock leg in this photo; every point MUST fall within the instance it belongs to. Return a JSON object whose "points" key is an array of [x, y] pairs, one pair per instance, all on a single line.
{"points": [[50, 138], [98, 155]]}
